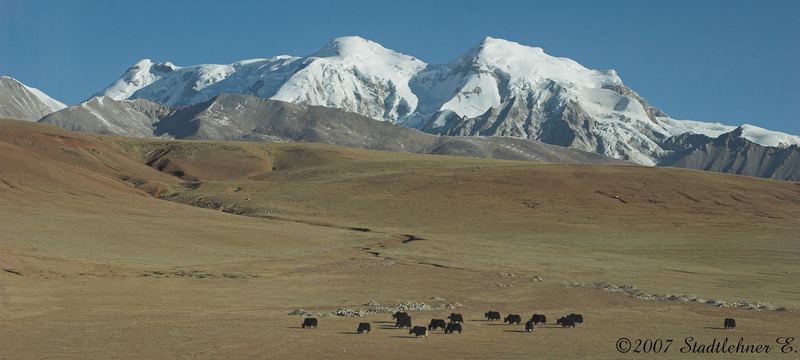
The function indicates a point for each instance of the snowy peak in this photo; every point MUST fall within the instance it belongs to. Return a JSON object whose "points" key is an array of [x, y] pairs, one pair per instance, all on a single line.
{"points": [[504, 88], [172, 85], [18, 101], [357, 75], [488, 48], [147, 65], [139, 75], [143, 64], [766, 137], [496, 88], [367, 56], [532, 64], [353, 46], [753, 133]]}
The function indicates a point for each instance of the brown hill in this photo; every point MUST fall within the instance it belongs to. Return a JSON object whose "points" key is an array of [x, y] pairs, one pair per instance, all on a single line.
{"points": [[97, 264]]}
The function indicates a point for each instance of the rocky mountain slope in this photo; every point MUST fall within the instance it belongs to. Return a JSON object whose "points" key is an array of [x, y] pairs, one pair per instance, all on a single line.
{"points": [[732, 153], [101, 115], [250, 118], [18, 101]]}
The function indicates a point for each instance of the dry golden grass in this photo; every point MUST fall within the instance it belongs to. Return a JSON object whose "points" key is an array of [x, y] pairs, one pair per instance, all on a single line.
{"points": [[663, 230], [88, 240]]}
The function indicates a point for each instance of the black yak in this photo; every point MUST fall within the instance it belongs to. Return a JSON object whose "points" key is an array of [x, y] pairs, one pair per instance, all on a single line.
{"points": [[419, 331], [452, 327], [437, 324], [492, 315], [539, 319], [456, 318], [310, 323], [529, 326], [364, 328], [513, 319]]}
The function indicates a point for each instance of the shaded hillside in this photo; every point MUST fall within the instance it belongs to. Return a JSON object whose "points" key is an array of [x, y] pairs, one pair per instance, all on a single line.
{"points": [[731, 153]]}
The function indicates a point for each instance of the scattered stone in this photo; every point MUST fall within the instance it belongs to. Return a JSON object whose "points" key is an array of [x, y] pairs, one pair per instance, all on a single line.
{"points": [[436, 298], [349, 312], [501, 285], [512, 275], [301, 312], [373, 307], [536, 278], [632, 291]]}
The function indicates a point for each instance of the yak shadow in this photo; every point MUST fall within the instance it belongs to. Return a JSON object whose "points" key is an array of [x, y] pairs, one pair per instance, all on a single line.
{"points": [[350, 332], [406, 337], [714, 328], [515, 331]]}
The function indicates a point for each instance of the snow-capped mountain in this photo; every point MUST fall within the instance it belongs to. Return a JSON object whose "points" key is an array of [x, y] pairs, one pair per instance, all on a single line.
{"points": [[496, 88], [504, 88], [348, 73], [18, 101]]}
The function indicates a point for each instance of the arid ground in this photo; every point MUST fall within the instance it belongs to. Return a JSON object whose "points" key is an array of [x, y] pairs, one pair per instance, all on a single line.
{"points": [[115, 248]]}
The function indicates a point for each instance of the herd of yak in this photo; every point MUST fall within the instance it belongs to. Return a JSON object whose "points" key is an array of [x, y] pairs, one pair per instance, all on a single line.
{"points": [[403, 320]]}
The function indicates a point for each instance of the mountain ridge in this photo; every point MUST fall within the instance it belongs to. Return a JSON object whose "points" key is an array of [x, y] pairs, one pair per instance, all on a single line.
{"points": [[497, 99], [496, 88], [251, 118], [19, 101], [732, 153]]}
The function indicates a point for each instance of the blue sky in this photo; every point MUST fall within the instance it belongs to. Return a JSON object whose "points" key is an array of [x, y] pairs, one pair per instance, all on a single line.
{"points": [[728, 61]]}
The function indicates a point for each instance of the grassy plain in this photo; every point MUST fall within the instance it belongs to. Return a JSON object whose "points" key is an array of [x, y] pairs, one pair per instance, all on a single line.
{"points": [[115, 248]]}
